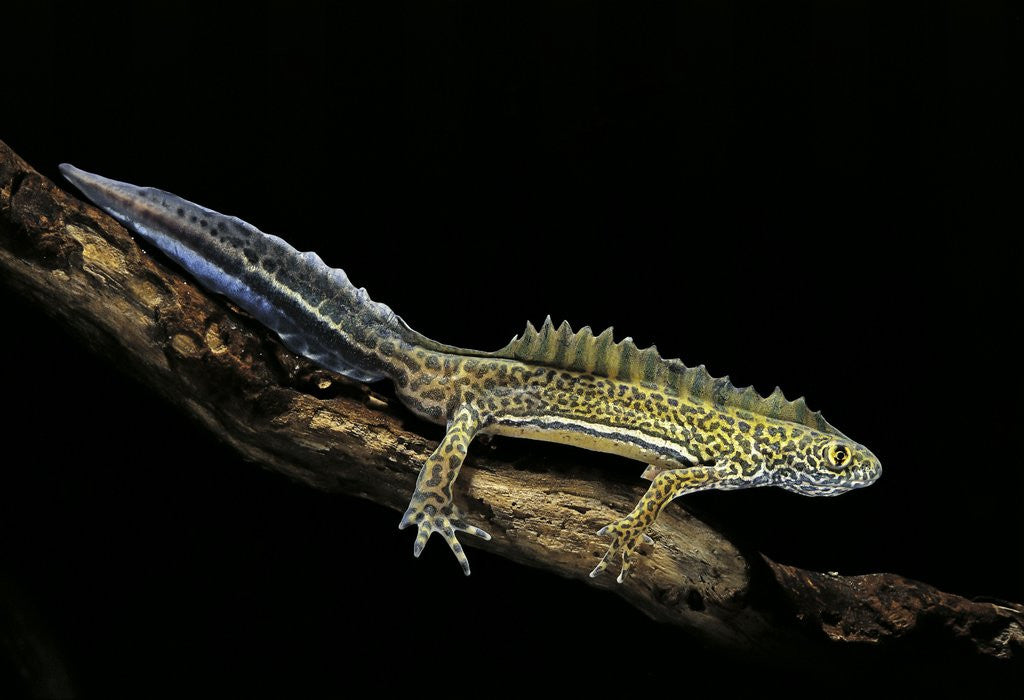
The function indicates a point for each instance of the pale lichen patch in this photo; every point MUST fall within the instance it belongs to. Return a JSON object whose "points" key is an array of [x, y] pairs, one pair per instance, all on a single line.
{"points": [[100, 259], [184, 345], [146, 292], [325, 420], [213, 340]]}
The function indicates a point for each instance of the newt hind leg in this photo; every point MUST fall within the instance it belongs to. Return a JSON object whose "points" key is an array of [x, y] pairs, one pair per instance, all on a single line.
{"points": [[630, 531], [431, 508]]}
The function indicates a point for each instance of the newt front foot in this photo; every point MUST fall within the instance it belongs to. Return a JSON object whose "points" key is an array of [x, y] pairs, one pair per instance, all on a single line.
{"points": [[627, 534], [446, 520]]}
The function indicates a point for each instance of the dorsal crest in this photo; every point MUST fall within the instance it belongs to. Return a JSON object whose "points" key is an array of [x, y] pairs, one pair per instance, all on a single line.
{"points": [[582, 351]]}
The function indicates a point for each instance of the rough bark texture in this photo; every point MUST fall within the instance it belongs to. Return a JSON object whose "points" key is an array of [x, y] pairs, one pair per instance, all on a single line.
{"points": [[279, 410]]}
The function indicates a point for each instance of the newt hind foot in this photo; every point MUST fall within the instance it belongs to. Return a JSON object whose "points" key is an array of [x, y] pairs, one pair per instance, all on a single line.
{"points": [[446, 521], [431, 508]]}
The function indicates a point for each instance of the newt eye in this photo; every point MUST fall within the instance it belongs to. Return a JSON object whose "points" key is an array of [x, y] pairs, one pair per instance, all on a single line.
{"points": [[839, 455]]}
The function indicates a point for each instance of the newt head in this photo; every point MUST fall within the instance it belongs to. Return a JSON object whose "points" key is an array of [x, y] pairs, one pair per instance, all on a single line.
{"points": [[827, 465]]}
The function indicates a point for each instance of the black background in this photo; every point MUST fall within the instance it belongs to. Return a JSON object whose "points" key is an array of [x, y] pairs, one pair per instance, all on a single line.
{"points": [[802, 194]]}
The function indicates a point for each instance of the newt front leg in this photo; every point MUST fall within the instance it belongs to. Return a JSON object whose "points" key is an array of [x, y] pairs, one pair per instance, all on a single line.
{"points": [[667, 485], [431, 508]]}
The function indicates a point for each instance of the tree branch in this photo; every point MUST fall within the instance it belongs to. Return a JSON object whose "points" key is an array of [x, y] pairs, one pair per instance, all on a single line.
{"points": [[281, 411]]}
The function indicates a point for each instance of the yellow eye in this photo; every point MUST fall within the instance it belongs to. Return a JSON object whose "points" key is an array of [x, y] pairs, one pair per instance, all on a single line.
{"points": [[839, 455]]}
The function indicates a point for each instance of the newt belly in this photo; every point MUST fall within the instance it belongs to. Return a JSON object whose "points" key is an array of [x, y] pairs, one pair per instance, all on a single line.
{"points": [[694, 431]]}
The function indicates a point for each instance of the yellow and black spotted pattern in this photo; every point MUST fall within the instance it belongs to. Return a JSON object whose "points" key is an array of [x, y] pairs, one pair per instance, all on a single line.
{"points": [[694, 431], [690, 442]]}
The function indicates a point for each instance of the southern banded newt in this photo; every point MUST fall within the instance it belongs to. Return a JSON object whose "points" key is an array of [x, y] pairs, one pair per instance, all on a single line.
{"points": [[694, 431]]}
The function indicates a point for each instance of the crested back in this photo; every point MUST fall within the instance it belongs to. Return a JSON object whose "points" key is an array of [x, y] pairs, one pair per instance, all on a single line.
{"points": [[582, 351]]}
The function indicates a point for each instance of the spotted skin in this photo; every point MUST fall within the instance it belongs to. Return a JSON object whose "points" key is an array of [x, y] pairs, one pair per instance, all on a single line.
{"points": [[694, 431], [432, 508], [630, 531]]}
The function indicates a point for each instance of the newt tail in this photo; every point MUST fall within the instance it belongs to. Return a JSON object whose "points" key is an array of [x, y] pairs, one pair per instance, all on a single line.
{"points": [[694, 431]]}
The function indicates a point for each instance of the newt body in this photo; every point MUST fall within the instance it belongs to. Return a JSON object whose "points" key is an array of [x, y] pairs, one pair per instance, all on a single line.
{"points": [[694, 431]]}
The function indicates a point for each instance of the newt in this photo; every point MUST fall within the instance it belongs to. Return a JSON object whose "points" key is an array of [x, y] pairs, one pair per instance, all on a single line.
{"points": [[692, 430]]}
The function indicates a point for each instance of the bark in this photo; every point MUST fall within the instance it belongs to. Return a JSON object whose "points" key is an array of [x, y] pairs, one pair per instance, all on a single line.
{"points": [[333, 434]]}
